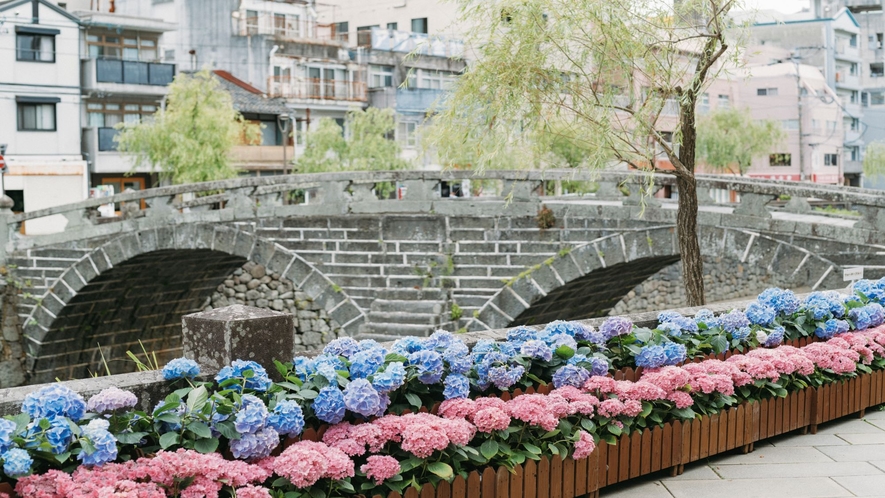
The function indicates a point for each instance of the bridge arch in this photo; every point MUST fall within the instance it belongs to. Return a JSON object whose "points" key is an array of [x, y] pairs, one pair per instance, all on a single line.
{"points": [[589, 279], [148, 279]]}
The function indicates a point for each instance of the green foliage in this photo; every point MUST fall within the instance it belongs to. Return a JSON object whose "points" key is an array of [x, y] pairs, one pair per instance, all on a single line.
{"points": [[456, 312], [874, 158], [367, 146], [729, 140], [190, 140]]}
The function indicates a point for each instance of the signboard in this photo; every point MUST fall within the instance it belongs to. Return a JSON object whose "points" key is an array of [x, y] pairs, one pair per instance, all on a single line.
{"points": [[852, 274]]}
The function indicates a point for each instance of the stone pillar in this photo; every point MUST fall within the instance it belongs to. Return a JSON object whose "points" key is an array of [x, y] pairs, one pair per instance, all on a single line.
{"points": [[6, 214], [217, 337]]}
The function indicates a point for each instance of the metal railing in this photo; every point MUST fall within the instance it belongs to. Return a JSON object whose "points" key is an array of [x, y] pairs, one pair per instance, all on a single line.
{"points": [[287, 28], [134, 72], [316, 88]]}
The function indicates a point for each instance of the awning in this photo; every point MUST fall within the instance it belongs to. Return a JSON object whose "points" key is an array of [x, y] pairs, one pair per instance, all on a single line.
{"points": [[33, 30], [37, 100]]}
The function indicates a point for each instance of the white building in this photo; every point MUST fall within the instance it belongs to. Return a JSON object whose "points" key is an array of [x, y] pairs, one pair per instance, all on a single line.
{"points": [[40, 108]]}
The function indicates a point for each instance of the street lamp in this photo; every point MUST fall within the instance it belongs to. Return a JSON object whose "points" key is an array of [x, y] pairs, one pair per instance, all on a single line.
{"points": [[283, 122]]}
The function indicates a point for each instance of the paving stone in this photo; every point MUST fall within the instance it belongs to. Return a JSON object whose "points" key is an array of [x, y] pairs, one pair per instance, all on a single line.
{"points": [[863, 438], [863, 485], [774, 454], [696, 471], [850, 426], [791, 470], [809, 440], [854, 453], [808, 487], [638, 489]]}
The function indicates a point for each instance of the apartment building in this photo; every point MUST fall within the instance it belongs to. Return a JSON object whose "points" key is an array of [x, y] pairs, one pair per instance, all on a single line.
{"points": [[40, 105]]}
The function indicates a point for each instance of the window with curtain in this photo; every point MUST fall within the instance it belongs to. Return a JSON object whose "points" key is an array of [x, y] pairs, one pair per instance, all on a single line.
{"points": [[36, 117], [35, 48]]}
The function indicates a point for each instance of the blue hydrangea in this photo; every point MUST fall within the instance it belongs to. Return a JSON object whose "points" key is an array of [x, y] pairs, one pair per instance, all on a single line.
{"points": [[429, 365], [876, 314], [16, 462], [558, 340], [52, 401], [408, 345], [615, 326], [481, 348], [782, 301], [286, 418], [344, 346], [570, 375], [686, 324], [537, 350], [860, 317], [256, 445], [600, 366], [104, 442], [369, 344], [328, 366], [669, 316], [521, 334], [366, 362], [439, 340], [506, 348], [258, 382], [872, 290], [329, 405], [775, 337], [651, 356], [456, 386], [830, 328], [382, 404], [360, 397], [760, 314], [7, 430], [505, 376], [170, 426], [483, 366], [59, 435], [577, 330], [671, 329], [819, 305], [392, 378], [675, 353], [251, 416], [742, 333], [304, 367], [706, 317], [181, 368], [457, 357], [733, 321]]}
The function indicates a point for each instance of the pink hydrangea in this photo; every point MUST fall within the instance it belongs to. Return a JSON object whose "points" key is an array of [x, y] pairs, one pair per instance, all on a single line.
{"points": [[306, 462], [253, 492], [491, 419], [600, 384], [380, 468], [584, 445], [611, 408], [457, 408], [533, 409], [668, 378], [680, 398], [570, 393], [632, 408]]}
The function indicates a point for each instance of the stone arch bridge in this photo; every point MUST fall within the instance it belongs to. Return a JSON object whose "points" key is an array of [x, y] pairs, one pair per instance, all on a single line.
{"points": [[383, 268]]}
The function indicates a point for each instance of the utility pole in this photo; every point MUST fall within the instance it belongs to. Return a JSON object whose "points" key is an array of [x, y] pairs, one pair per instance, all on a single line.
{"points": [[802, 175]]}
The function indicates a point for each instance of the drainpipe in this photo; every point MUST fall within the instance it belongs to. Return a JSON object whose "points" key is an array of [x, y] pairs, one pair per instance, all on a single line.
{"points": [[270, 67]]}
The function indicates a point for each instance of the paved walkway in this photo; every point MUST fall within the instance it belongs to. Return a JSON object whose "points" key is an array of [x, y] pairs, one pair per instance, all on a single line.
{"points": [[845, 458]]}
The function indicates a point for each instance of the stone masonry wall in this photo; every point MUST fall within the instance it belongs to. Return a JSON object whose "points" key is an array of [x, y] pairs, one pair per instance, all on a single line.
{"points": [[724, 280], [251, 285], [12, 372]]}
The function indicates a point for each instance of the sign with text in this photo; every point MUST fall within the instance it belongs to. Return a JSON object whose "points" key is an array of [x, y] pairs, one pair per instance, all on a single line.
{"points": [[852, 274]]}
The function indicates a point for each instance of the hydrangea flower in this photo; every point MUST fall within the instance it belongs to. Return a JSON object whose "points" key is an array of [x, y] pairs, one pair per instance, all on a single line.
{"points": [[536, 349], [600, 366], [393, 377], [669, 316], [505, 376], [876, 314], [366, 362], [831, 327], [742, 333], [256, 445], [105, 444], [675, 353], [671, 329], [819, 305], [328, 367], [407, 345], [52, 401], [860, 317], [7, 430], [258, 382], [457, 357], [329, 405], [111, 399], [521, 334], [251, 416], [733, 321], [775, 337], [429, 364], [441, 339], [304, 367], [456, 386], [570, 375], [344, 346], [558, 340], [286, 418], [651, 357], [181, 368], [782, 301], [360, 397], [577, 330], [380, 468], [180, 411], [16, 462], [615, 326], [59, 435], [706, 317], [760, 314]]}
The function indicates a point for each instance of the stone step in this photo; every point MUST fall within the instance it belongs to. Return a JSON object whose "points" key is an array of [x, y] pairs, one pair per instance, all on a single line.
{"points": [[471, 301], [397, 330], [404, 294], [397, 305], [432, 319]]}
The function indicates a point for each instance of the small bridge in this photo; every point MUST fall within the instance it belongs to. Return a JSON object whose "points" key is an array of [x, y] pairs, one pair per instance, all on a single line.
{"points": [[383, 268]]}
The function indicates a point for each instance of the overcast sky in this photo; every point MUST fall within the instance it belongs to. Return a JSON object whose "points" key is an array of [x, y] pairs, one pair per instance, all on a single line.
{"points": [[785, 6]]}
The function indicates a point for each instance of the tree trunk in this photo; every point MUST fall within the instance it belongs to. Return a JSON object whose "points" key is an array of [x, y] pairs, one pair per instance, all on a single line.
{"points": [[689, 247]]}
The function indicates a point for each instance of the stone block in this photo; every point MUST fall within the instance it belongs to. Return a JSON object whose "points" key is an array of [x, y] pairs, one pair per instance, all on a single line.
{"points": [[224, 240], [86, 270], [100, 260], [507, 301], [315, 284], [262, 252], [566, 268], [587, 258], [413, 228], [493, 318], [215, 338], [638, 245], [345, 313], [546, 278], [73, 280], [148, 240], [242, 245], [610, 250]]}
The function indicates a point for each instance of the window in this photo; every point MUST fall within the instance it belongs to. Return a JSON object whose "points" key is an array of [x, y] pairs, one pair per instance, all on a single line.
{"points": [[877, 98], [36, 117], [853, 40], [109, 114], [877, 69], [392, 25], [852, 70], [831, 125], [435, 80], [406, 134], [419, 25], [854, 95], [128, 47], [831, 160], [367, 28], [854, 124], [341, 31], [723, 102], [815, 124], [793, 124], [780, 159], [18, 200], [852, 153], [34, 47], [770, 92], [251, 22], [380, 76]]}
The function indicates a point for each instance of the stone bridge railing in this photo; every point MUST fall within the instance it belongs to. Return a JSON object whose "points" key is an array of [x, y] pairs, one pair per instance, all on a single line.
{"points": [[342, 193]]}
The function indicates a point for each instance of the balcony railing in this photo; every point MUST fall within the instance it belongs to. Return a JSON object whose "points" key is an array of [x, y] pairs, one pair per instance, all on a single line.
{"points": [[314, 88], [134, 72], [288, 28], [408, 42]]}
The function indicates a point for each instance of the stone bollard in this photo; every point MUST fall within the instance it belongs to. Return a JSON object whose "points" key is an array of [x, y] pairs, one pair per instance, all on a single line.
{"points": [[217, 337]]}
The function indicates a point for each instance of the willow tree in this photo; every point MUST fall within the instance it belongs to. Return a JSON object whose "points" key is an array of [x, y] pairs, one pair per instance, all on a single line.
{"points": [[625, 75], [190, 140], [729, 140]]}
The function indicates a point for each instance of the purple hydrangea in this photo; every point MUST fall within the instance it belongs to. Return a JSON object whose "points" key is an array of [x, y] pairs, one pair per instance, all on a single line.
{"points": [[860, 317], [429, 365], [344, 346], [393, 376], [52, 401], [537, 350], [456, 386], [876, 313], [775, 337], [360, 397], [570, 375], [505, 376], [760, 314], [651, 356], [111, 399], [615, 326], [329, 405], [181, 368], [600, 366], [255, 445], [733, 321]]}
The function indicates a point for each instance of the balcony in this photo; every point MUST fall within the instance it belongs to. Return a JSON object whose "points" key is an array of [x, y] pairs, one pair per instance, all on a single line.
{"points": [[417, 100], [843, 78], [857, 6], [291, 87], [254, 157], [288, 28], [134, 77], [101, 150], [408, 42]]}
